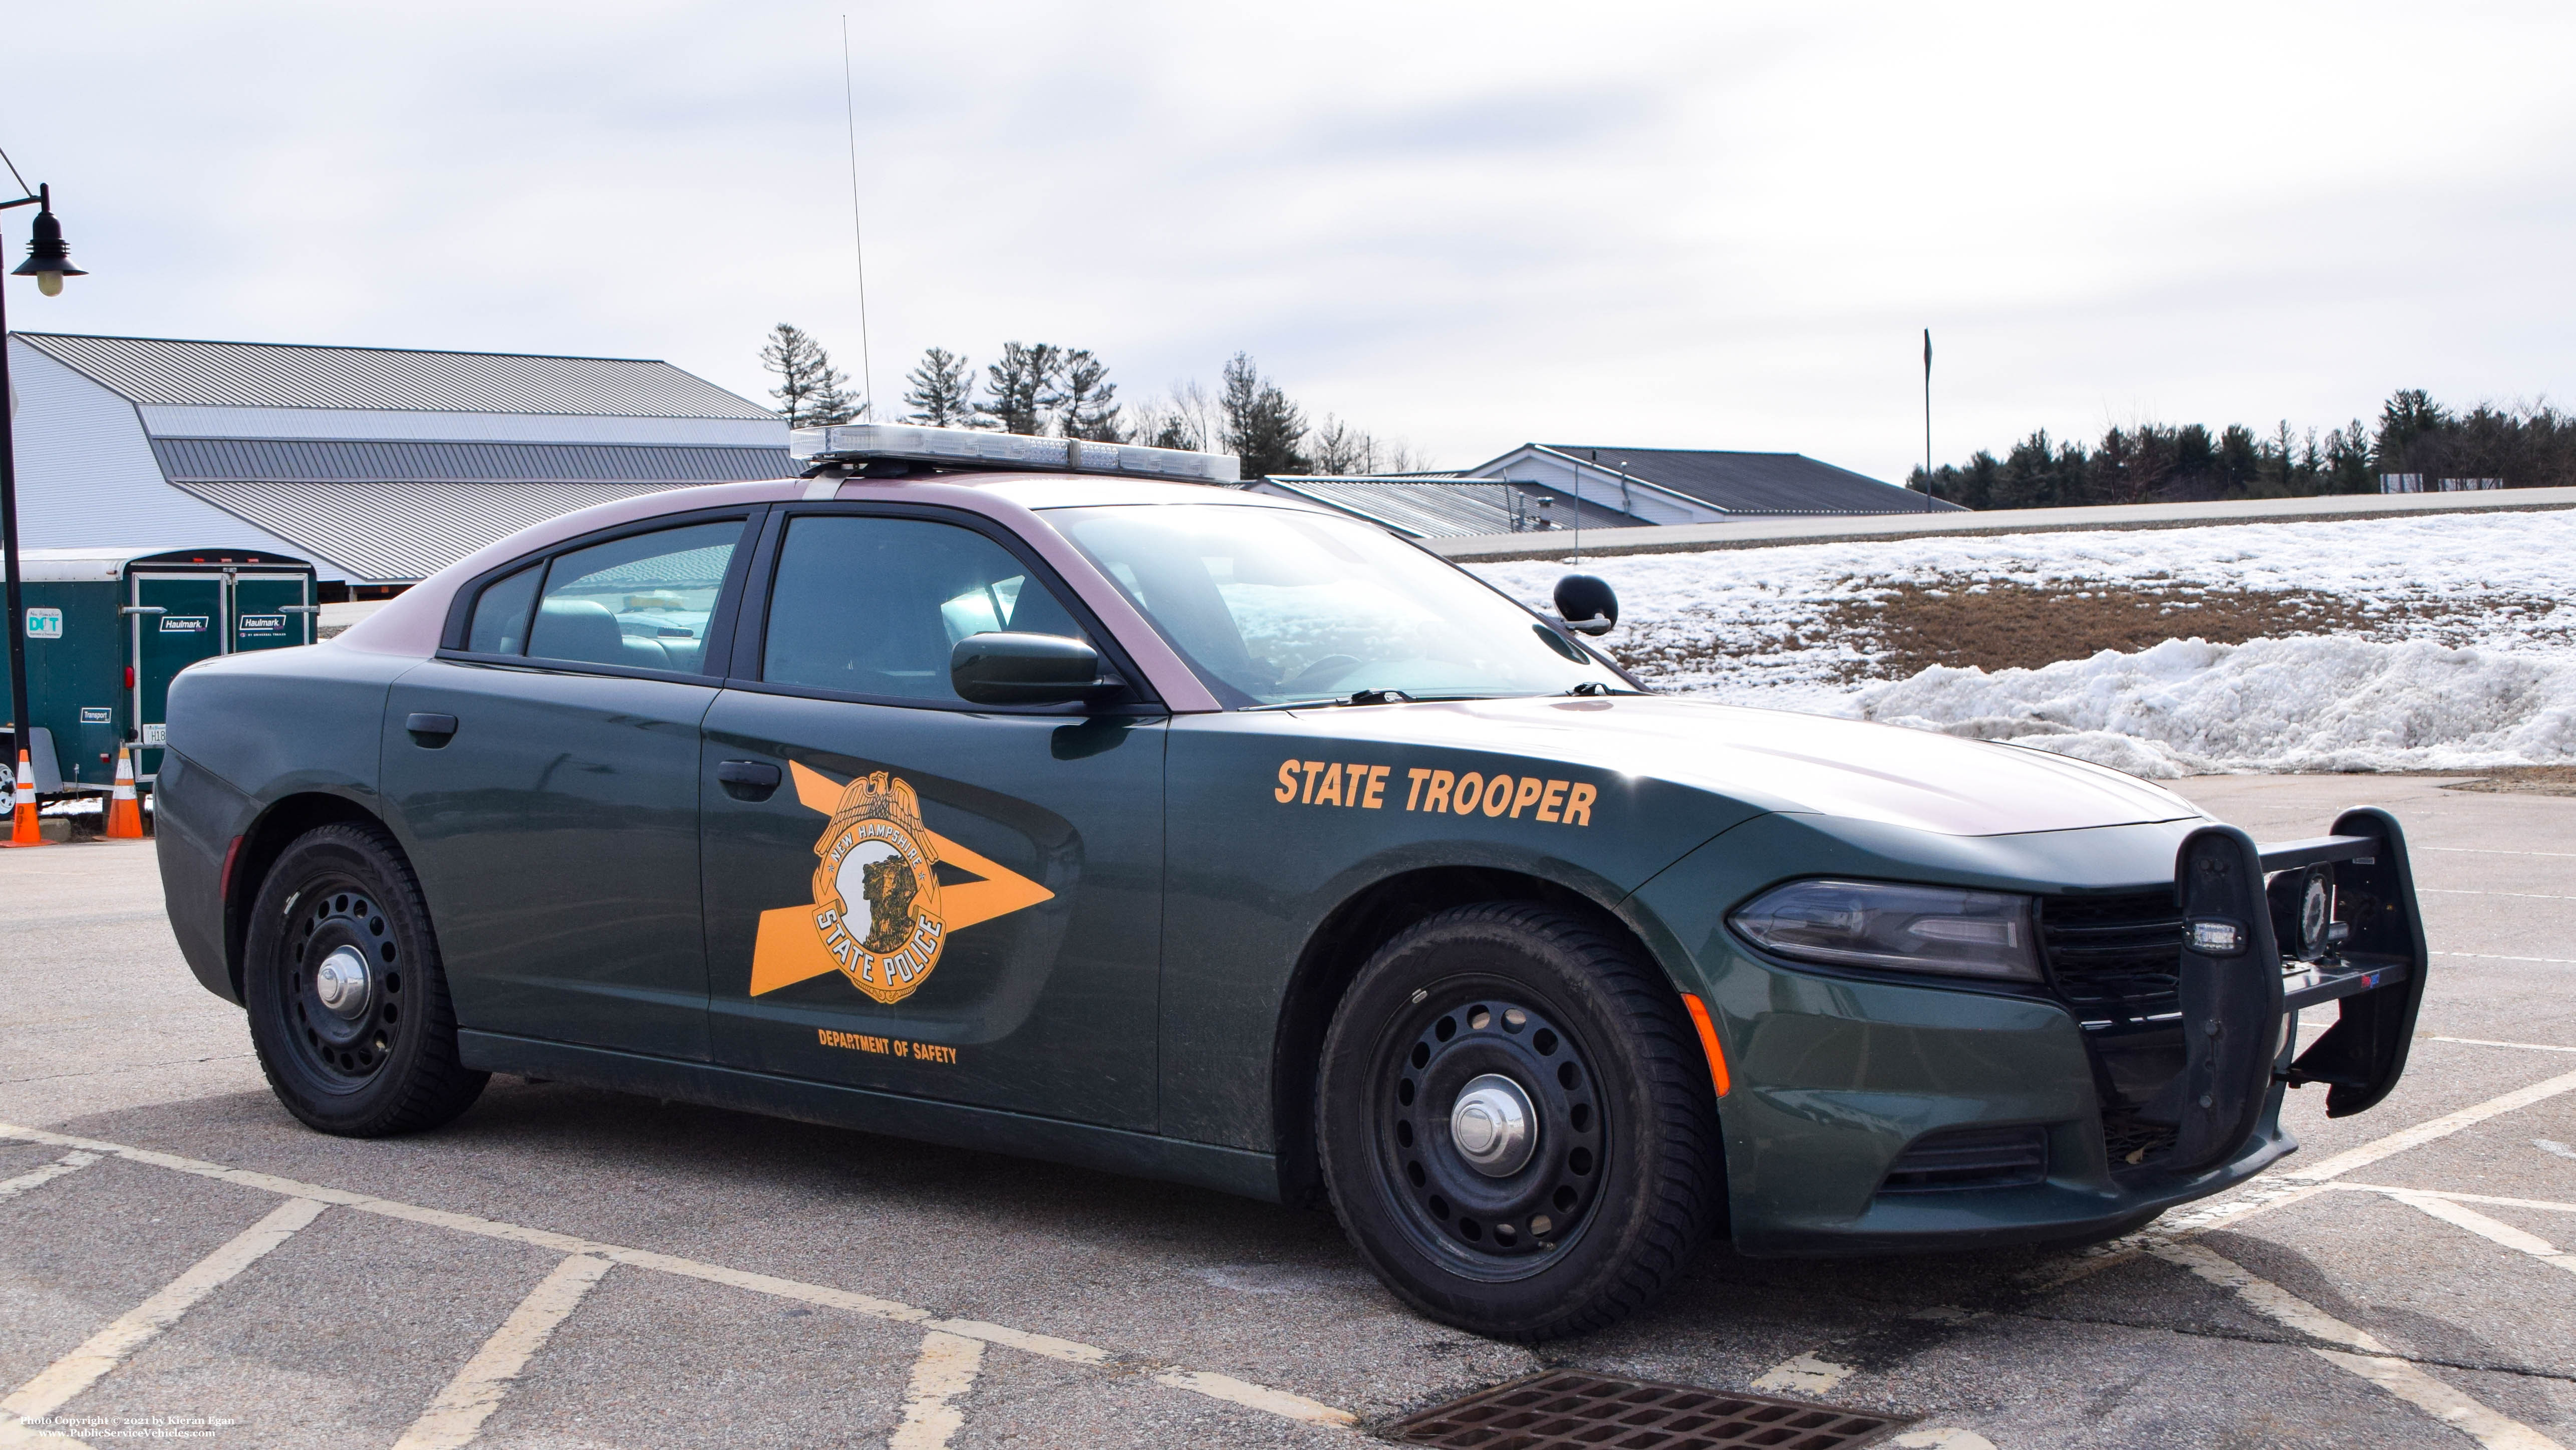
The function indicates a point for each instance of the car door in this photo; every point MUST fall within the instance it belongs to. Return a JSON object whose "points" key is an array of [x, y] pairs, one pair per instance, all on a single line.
{"points": [[909, 894], [543, 771]]}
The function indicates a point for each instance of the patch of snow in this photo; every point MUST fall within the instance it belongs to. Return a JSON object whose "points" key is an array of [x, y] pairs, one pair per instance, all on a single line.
{"points": [[2185, 707], [2486, 684]]}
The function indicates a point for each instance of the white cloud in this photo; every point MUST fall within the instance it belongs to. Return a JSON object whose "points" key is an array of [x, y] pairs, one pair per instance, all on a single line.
{"points": [[1471, 225]]}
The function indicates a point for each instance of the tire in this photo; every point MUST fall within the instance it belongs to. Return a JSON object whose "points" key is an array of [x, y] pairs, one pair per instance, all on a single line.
{"points": [[384, 1061], [1621, 1178]]}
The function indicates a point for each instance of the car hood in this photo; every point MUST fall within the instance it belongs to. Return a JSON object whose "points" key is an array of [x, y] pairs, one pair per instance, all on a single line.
{"points": [[1782, 761]]}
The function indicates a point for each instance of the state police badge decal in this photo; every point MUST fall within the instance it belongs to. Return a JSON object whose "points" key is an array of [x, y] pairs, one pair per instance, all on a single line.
{"points": [[876, 889]]}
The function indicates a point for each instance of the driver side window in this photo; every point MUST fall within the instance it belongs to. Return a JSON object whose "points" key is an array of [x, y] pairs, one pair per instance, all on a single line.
{"points": [[873, 606]]}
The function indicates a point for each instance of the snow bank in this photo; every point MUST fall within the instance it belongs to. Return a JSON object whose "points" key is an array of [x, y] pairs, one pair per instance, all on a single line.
{"points": [[2185, 707], [2487, 680]]}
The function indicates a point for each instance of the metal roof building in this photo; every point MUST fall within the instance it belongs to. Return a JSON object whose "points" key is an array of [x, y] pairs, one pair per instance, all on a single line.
{"points": [[1439, 506], [1701, 485], [381, 465], [1545, 486]]}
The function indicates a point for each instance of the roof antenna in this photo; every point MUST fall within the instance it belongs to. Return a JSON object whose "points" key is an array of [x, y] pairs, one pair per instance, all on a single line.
{"points": [[858, 244]]}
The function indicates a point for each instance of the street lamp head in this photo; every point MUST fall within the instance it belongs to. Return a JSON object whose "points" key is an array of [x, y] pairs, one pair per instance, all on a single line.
{"points": [[48, 260]]}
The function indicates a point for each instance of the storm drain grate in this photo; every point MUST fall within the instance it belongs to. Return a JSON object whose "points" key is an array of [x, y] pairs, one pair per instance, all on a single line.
{"points": [[1576, 1411]]}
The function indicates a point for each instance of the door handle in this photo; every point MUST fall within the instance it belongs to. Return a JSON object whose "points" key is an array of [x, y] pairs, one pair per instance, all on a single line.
{"points": [[431, 730], [750, 780]]}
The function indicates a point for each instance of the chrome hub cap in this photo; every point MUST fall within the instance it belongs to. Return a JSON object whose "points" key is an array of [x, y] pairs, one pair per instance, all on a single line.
{"points": [[341, 984], [1493, 1126]]}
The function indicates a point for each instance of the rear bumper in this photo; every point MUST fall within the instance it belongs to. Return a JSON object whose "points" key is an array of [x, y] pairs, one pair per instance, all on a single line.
{"points": [[196, 816]]}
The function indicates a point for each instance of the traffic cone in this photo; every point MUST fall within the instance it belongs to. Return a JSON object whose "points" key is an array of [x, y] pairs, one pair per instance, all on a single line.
{"points": [[124, 813], [24, 830]]}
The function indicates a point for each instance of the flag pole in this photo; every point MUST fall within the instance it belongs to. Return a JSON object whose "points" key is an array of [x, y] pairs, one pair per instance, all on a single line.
{"points": [[1927, 410]]}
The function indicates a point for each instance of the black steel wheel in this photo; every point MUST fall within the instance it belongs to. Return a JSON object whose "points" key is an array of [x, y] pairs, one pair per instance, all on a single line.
{"points": [[1487, 1123], [348, 1007], [1515, 1122]]}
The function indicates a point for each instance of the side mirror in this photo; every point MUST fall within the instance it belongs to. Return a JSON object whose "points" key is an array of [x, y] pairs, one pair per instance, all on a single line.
{"points": [[1587, 603], [1027, 669]]}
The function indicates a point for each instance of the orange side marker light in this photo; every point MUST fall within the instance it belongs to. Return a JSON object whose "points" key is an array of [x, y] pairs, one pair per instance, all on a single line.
{"points": [[1708, 1039]]}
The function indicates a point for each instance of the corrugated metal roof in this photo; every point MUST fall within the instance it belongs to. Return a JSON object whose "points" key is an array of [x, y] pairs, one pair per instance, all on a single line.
{"points": [[397, 533], [1757, 483], [309, 460], [1440, 508], [175, 371]]}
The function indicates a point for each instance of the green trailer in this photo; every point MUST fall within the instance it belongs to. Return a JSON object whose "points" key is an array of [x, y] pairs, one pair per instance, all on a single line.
{"points": [[108, 628]]}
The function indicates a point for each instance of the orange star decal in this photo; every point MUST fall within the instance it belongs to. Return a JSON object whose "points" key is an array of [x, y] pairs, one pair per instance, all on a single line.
{"points": [[880, 916]]}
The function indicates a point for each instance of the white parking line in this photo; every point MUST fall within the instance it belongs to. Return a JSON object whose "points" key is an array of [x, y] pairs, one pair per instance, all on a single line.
{"points": [[2451, 1212], [2362, 1354], [2425, 1132], [2457, 891], [2485, 1042], [2492, 851], [2442, 1402], [1215, 1386], [66, 1377], [2493, 957], [457, 1415], [2546, 1205], [1258, 1397], [946, 1370], [68, 1163]]}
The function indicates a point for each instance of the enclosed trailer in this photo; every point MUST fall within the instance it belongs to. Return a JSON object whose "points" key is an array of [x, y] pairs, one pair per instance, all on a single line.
{"points": [[108, 628]]}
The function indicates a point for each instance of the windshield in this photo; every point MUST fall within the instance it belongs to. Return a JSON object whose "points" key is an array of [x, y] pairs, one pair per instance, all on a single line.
{"points": [[1280, 606]]}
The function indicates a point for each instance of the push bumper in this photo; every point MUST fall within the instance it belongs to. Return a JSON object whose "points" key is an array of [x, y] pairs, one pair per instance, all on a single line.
{"points": [[1970, 1119]]}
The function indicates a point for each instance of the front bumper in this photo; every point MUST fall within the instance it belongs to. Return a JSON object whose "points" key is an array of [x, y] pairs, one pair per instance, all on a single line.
{"points": [[1842, 1083]]}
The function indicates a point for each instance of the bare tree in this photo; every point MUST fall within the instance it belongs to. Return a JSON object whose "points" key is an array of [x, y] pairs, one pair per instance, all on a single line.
{"points": [[1184, 417], [1341, 449]]}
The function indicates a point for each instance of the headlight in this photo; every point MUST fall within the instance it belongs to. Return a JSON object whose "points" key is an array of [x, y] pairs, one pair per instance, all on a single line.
{"points": [[1895, 928]]}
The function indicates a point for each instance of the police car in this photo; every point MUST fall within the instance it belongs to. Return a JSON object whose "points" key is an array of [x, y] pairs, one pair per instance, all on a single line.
{"points": [[1045, 797]]}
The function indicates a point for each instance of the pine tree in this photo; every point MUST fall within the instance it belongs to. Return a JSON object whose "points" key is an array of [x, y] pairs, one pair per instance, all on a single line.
{"points": [[810, 392], [1262, 427], [1023, 384], [1086, 400], [942, 394]]}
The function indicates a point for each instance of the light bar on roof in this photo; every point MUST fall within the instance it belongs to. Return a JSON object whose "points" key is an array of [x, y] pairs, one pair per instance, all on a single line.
{"points": [[977, 448]]}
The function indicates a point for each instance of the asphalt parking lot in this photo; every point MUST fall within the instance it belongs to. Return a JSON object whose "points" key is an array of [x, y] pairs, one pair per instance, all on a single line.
{"points": [[562, 1268]]}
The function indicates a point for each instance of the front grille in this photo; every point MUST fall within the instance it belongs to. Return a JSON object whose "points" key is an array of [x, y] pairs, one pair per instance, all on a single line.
{"points": [[1568, 1410], [2116, 959], [2130, 1140], [1957, 1158]]}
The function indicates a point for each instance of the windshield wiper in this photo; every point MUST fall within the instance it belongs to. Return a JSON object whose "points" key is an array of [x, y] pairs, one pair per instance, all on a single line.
{"points": [[1356, 697]]}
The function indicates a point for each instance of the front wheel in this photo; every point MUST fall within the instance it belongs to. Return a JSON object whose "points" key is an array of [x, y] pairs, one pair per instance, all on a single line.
{"points": [[348, 1007], [1516, 1124]]}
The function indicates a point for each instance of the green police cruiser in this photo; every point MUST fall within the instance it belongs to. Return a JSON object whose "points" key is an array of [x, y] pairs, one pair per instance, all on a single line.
{"points": [[1047, 798]]}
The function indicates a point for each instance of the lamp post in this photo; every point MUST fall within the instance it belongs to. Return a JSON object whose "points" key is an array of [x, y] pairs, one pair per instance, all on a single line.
{"points": [[49, 262]]}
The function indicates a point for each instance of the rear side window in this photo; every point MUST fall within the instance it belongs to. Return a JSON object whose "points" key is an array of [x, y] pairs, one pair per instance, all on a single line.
{"points": [[873, 606], [642, 602], [500, 624]]}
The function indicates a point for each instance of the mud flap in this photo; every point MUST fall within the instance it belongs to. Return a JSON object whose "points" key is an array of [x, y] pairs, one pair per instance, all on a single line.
{"points": [[2380, 972], [2230, 994]]}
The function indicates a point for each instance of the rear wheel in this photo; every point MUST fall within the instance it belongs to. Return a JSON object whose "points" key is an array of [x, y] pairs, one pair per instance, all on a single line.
{"points": [[348, 1007], [1515, 1123]]}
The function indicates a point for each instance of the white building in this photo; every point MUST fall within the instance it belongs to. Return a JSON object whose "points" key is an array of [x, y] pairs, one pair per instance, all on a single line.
{"points": [[380, 465]]}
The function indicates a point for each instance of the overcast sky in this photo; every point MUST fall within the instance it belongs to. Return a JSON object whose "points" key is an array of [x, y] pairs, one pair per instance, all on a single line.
{"points": [[1699, 226]]}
